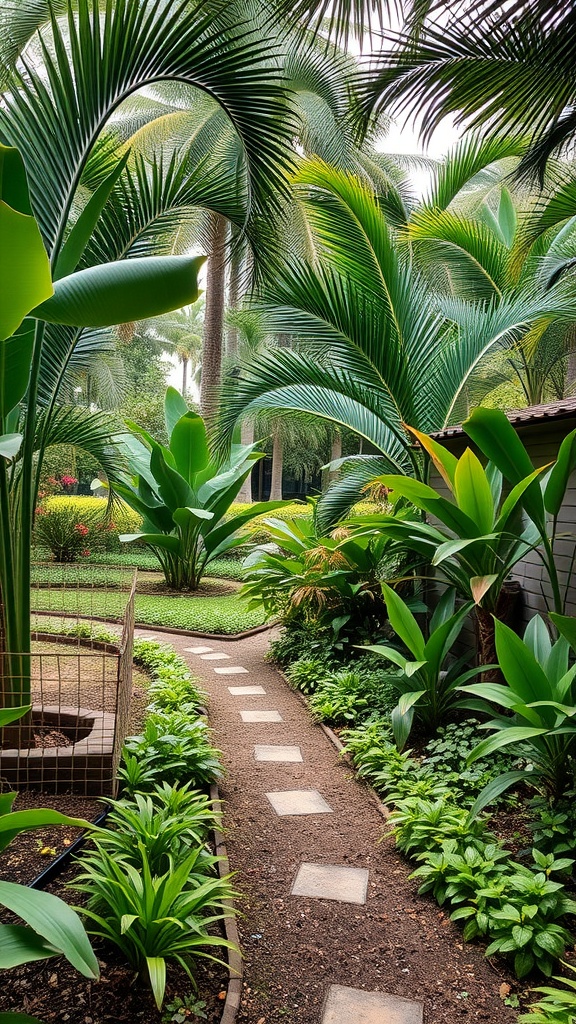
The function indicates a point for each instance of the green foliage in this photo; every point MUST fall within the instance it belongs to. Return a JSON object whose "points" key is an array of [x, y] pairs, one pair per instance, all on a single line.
{"points": [[558, 1005], [202, 614], [351, 695], [184, 493], [519, 909], [302, 639], [428, 681], [168, 823], [553, 827], [181, 1010], [447, 755], [153, 918], [307, 674], [541, 695], [333, 580], [173, 748], [58, 515]]}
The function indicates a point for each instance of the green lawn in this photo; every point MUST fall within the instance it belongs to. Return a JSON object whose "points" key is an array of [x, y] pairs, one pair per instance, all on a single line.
{"points": [[224, 568], [204, 614]]}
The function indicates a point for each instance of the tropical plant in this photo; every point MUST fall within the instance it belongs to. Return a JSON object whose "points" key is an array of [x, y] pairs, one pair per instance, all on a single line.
{"points": [[352, 695], [378, 347], [74, 174], [167, 825], [173, 747], [332, 579], [535, 711], [184, 493], [428, 683], [477, 64], [153, 918], [478, 534]]}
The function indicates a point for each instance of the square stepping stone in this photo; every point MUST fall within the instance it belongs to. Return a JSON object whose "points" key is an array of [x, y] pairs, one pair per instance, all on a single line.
{"points": [[261, 716], [214, 656], [198, 650], [233, 670], [277, 753], [241, 691], [298, 801], [353, 1004], [331, 882]]}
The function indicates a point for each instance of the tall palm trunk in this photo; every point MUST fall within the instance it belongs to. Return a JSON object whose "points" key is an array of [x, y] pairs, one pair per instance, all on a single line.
{"points": [[277, 466], [246, 437], [184, 375], [213, 317], [234, 290]]}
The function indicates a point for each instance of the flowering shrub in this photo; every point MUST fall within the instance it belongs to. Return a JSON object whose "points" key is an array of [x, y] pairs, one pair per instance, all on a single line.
{"points": [[73, 527]]}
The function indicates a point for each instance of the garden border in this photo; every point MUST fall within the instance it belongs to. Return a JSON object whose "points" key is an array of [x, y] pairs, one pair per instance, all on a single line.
{"points": [[235, 958], [160, 629]]}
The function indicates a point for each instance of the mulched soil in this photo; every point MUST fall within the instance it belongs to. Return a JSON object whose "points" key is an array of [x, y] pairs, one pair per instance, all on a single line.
{"points": [[294, 948], [53, 990]]}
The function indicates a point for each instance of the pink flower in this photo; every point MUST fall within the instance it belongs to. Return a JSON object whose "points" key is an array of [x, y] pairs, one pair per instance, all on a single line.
{"points": [[85, 553], [82, 530], [68, 481]]}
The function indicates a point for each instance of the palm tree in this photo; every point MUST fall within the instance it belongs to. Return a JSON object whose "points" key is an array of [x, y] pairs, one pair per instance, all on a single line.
{"points": [[380, 350], [509, 67], [72, 76]]}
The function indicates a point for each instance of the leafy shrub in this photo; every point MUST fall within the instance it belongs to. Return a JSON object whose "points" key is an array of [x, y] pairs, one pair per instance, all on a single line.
{"points": [[307, 674], [554, 826], [302, 639], [446, 755], [167, 824], [59, 516], [153, 918], [172, 747], [349, 696], [558, 1005]]}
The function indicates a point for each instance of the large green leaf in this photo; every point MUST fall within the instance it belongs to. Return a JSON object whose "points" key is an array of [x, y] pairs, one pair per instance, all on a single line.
{"points": [[519, 666], [173, 488], [157, 973], [116, 293], [25, 278], [10, 445], [54, 921], [557, 482], [566, 626], [20, 945], [8, 715], [174, 408], [495, 788], [472, 491], [403, 623], [15, 362], [189, 446], [22, 821]]}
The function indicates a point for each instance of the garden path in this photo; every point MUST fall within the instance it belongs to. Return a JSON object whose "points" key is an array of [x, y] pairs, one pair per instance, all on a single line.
{"points": [[331, 927]]}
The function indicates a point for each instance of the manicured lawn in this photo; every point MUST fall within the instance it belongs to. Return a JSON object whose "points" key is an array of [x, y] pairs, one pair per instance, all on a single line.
{"points": [[205, 614], [224, 568]]}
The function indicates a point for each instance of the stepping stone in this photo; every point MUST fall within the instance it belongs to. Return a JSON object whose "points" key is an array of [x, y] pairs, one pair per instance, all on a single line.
{"points": [[272, 753], [215, 656], [145, 636], [241, 691], [353, 1004], [332, 882], [261, 716], [299, 801], [234, 670], [198, 650]]}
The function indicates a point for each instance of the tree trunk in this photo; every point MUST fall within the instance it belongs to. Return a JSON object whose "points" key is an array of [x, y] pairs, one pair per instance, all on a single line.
{"points": [[234, 291], [508, 609], [246, 437], [277, 467], [184, 376], [213, 317]]}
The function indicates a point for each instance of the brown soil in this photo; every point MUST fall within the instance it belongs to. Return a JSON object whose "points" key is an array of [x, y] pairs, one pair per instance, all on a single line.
{"points": [[294, 948]]}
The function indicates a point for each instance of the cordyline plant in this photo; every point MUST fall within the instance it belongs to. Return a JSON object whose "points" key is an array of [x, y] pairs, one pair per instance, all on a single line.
{"points": [[184, 493]]}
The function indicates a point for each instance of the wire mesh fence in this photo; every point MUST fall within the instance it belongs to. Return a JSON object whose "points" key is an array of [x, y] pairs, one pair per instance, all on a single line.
{"points": [[80, 690]]}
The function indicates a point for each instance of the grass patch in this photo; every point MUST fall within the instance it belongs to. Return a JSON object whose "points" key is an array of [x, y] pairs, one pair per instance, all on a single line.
{"points": [[204, 614], [223, 568]]}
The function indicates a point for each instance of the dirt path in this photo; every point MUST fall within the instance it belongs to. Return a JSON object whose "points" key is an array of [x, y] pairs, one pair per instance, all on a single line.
{"points": [[295, 947]]}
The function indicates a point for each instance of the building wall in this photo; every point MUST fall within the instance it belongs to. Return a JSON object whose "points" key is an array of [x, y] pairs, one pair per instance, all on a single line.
{"points": [[542, 441]]}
